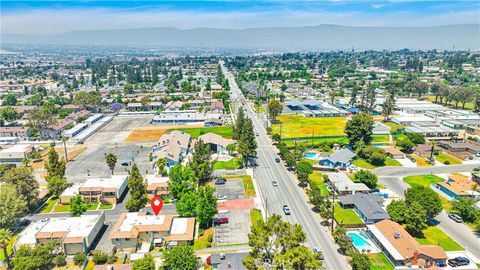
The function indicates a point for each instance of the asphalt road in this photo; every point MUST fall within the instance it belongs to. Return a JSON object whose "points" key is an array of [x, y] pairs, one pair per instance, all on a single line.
{"points": [[287, 191], [391, 177]]}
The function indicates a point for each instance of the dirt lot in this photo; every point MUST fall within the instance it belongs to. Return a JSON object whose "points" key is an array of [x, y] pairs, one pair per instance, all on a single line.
{"points": [[149, 134]]}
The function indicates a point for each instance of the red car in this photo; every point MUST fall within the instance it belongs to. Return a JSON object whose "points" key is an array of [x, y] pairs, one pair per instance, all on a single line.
{"points": [[219, 221]]}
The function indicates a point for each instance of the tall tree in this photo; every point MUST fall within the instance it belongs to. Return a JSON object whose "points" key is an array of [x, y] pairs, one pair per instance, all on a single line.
{"points": [[138, 192], [77, 206], [238, 128], [12, 205], [428, 199], [247, 145], [298, 258], [161, 163], [180, 257], [181, 180], [24, 182], [5, 238], [56, 185], [304, 169], [54, 165], [415, 219], [206, 206], [111, 160], [9, 113], [360, 262], [367, 177], [201, 162], [274, 109], [186, 205], [359, 129], [38, 258], [145, 263]]}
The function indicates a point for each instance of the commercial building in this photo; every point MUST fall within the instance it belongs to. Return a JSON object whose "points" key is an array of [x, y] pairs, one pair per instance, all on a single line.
{"points": [[16, 154], [108, 190], [73, 234], [401, 248]]}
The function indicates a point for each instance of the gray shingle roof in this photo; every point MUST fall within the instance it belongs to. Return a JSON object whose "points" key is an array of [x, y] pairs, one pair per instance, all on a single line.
{"points": [[369, 204], [343, 156]]}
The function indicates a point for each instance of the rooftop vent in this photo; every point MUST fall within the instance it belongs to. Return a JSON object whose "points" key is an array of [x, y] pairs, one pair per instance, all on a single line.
{"points": [[396, 235]]}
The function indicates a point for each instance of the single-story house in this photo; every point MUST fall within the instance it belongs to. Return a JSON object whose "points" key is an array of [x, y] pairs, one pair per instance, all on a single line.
{"points": [[217, 143], [344, 185], [368, 206], [341, 158], [401, 248], [394, 153], [74, 234], [380, 129], [460, 147], [425, 150], [458, 186]]}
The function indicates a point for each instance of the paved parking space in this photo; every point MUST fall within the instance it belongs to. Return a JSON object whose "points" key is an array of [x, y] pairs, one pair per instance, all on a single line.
{"points": [[233, 189], [235, 231]]}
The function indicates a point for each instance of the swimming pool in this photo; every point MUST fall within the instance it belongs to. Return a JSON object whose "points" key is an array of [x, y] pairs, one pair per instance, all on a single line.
{"points": [[359, 241], [310, 155]]}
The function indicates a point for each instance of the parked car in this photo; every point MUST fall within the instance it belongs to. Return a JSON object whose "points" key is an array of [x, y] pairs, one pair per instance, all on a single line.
{"points": [[458, 261], [124, 163], [318, 253], [286, 209], [219, 221], [275, 183], [412, 159], [222, 197], [220, 181], [256, 134], [277, 159], [455, 217]]}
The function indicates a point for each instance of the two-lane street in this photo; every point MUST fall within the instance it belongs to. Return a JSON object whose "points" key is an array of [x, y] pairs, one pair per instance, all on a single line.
{"points": [[288, 192]]}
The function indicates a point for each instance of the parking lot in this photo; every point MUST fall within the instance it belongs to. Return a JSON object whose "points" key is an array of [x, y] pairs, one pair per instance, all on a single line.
{"points": [[235, 231], [110, 139], [232, 189]]}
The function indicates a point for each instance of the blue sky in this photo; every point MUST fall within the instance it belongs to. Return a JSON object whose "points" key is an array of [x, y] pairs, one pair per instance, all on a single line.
{"points": [[49, 17]]}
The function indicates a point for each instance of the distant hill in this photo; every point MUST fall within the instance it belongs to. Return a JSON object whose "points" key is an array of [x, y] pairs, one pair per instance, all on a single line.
{"points": [[322, 37]]}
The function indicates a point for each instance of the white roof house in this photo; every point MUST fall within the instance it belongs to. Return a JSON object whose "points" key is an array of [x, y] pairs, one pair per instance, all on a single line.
{"points": [[343, 184]]}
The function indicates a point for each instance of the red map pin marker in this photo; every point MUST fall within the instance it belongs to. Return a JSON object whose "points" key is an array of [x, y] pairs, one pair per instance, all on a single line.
{"points": [[157, 203]]}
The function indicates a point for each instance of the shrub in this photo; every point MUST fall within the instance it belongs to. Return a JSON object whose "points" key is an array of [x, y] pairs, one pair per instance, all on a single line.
{"points": [[79, 258], [113, 258], [59, 260], [447, 162], [100, 257], [210, 238], [436, 153]]}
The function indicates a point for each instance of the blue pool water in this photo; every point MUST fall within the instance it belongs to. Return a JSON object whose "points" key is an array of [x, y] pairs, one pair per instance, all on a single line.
{"points": [[358, 241], [310, 155]]}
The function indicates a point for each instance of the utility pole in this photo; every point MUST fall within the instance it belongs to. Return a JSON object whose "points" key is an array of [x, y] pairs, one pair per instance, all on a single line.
{"points": [[333, 207], [65, 148]]}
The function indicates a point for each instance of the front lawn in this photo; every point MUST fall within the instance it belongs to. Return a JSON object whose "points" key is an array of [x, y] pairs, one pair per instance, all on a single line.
{"points": [[232, 164], [224, 131], [421, 162], [202, 241], [434, 236], [378, 261], [362, 163], [380, 139], [66, 207], [422, 180], [300, 126], [49, 205], [255, 216], [317, 179], [105, 206], [346, 216], [394, 126], [447, 157]]}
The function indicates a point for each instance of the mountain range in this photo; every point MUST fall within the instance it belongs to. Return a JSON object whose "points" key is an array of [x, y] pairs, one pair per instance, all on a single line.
{"points": [[322, 37]]}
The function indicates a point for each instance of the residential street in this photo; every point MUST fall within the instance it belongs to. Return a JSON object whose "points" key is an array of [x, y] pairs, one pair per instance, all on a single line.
{"points": [[460, 232], [287, 191]]}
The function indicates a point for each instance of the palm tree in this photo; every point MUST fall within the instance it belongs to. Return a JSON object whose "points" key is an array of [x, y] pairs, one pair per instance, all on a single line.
{"points": [[111, 160], [474, 189], [433, 144], [5, 238], [161, 163]]}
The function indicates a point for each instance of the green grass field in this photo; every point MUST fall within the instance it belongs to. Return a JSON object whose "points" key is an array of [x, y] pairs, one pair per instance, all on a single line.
{"points": [[362, 163], [255, 216], [232, 164], [299, 126], [468, 105], [202, 241], [378, 261], [105, 206], [66, 207], [447, 157], [317, 179], [434, 236], [224, 131], [394, 126], [380, 139], [422, 180], [346, 216], [49, 205]]}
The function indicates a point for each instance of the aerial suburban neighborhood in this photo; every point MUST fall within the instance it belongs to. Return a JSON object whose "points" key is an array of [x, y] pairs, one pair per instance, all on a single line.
{"points": [[115, 155]]}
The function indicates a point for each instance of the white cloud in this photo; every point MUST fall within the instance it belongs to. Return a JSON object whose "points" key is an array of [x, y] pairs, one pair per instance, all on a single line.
{"points": [[58, 21], [377, 6]]}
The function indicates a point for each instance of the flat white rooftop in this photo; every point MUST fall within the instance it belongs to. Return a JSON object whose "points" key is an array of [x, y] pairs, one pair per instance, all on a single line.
{"points": [[115, 181], [179, 226], [156, 179], [133, 219], [17, 148]]}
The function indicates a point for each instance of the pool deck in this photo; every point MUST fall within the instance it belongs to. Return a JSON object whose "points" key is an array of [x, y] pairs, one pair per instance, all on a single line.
{"points": [[373, 248]]}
